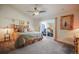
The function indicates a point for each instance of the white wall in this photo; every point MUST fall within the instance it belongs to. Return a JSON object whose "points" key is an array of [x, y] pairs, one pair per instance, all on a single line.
{"points": [[67, 36], [36, 24]]}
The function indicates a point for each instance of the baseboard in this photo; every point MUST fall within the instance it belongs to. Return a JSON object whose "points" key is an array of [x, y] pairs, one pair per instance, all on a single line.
{"points": [[63, 42]]}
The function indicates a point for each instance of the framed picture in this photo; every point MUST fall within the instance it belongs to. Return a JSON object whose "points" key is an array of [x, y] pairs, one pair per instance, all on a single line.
{"points": [[67, 22]]}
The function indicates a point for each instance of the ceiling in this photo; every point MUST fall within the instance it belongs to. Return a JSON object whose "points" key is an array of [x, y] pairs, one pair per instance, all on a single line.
{"points": [[51, 9]]}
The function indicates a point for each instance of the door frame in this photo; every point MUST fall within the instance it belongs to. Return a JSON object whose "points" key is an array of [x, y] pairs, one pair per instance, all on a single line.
{"points": [[55, 29]]}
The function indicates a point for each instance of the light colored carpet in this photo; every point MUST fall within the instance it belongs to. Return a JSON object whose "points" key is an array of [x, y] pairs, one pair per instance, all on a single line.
{"points": [[45, 46]]}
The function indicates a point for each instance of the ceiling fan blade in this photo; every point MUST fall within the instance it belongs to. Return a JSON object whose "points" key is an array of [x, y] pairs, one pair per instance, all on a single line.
{"points": [[30, 11], [42, 11]]}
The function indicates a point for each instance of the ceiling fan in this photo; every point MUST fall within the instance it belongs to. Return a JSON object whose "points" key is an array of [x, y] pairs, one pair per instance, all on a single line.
{"points": [[36, 11]]}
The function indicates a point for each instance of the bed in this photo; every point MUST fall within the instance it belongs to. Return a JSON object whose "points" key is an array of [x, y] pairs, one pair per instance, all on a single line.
{"points": [[26, 38], [33, 34]]}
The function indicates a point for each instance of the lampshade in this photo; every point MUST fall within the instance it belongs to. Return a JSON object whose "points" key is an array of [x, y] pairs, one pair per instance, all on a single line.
{"points": [[76, 33]]}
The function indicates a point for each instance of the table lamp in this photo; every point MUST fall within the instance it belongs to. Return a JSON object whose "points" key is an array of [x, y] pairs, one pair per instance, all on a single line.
{"points": [[76, 33]]}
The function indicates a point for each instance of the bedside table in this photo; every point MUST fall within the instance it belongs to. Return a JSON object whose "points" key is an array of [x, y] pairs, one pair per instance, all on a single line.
{"points": [[6, 37]]}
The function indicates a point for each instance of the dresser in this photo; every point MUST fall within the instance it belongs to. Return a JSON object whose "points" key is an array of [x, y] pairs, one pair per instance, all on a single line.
{"points": [[76, 45]]}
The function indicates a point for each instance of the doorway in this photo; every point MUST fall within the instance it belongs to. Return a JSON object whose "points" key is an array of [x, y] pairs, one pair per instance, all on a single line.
{"points": [[47, 28]]}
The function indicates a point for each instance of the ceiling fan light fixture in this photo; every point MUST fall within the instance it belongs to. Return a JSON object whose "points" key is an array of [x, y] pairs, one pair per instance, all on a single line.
{"points": [[36, 13]]}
